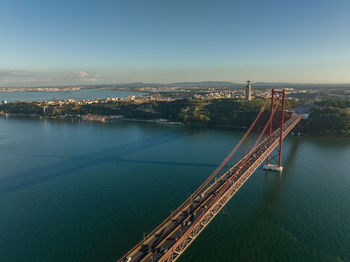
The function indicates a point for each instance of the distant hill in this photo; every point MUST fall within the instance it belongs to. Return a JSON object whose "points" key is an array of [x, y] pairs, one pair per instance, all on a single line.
{"points": [[203, 84], [263, 85]]}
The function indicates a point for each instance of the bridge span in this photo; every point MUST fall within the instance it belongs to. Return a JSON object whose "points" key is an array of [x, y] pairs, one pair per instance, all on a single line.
{"points": [[175, 234]]}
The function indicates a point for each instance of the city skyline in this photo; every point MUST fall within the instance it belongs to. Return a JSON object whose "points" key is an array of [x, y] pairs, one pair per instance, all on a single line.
{"points": [[64, 43]]}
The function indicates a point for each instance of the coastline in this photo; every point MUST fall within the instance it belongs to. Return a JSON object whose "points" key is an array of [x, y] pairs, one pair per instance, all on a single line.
{"points": [[326, 119], [116, 119], [91, 118]]}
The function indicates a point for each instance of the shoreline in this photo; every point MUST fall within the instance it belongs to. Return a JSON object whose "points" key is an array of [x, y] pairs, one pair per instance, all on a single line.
{"points": [[91, 118], [328, 118], [116, 119]]}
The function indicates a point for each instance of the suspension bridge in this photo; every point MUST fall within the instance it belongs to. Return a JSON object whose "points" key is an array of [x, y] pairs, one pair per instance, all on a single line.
{"points": [[176, 233]]}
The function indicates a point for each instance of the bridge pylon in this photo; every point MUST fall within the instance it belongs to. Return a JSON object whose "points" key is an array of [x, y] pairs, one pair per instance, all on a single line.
{"points": [[168, 241], [274, 160]]}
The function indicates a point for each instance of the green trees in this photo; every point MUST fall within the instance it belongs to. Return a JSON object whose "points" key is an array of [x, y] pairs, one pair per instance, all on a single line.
{"points": [[23, 108], [328, 118]]}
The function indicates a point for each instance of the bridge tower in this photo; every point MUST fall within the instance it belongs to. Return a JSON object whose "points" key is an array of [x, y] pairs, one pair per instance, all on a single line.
{"points": [[274, 160], [168, 241]]}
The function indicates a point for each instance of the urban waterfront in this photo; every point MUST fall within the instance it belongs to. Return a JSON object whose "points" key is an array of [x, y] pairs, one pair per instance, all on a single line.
{"points": [[88, 191], [81, 94]]}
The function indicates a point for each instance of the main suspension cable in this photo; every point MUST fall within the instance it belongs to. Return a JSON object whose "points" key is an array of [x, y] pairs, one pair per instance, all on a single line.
{"points": [[206, 182]]}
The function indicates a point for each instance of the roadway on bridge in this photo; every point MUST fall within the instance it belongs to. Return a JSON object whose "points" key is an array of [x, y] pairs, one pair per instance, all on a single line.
{"points": [[158, 244]]}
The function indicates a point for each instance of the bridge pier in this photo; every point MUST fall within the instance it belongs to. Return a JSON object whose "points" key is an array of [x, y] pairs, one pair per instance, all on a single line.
{"points": [[274, 168]]}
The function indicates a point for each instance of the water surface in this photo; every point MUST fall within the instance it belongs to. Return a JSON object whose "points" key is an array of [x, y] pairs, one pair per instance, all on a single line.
{"points": [[88, 191]]}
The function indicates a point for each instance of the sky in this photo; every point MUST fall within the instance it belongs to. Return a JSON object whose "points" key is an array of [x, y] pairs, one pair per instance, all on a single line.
{"points": [[59, 42]]}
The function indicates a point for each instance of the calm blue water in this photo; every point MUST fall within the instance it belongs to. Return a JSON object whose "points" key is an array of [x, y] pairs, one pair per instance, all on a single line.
{"points": [[77, 95], [88, 191]]}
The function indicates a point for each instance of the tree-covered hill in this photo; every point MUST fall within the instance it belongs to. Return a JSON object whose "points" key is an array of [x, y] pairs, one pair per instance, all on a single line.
{"points": [[328, 118]]}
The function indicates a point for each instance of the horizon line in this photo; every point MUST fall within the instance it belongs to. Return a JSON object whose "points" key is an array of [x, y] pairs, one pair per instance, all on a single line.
{"points": [[179, 83]]}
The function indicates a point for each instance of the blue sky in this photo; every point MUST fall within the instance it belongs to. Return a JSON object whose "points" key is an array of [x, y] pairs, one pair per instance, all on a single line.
{"points": [[90, 42]]}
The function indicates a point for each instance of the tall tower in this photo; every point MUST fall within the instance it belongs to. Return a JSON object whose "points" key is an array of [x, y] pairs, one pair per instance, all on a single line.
{"points": [[248, 91]]}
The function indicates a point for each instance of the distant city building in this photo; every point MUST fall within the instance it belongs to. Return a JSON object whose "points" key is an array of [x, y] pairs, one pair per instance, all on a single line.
{"points": [[248, 91]]}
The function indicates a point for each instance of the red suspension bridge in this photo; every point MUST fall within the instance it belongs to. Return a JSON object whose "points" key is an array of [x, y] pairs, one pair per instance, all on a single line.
{"points": [[176, 233]]}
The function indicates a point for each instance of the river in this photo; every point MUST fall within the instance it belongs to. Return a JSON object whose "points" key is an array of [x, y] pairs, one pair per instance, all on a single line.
{"points": [[79, 191]]}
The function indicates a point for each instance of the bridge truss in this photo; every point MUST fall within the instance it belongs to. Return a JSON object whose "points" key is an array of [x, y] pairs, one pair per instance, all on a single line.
{"points": [[175, 234]]}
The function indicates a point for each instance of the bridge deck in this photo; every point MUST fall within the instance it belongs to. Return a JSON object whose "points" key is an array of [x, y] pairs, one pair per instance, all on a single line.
{"points": [[174, 236]]}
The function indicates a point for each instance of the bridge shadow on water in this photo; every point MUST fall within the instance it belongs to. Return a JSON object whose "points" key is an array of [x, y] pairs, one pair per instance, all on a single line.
{"points": [[255, 211], [271, 231], [69, 164], [164, 163], [272, 192]]}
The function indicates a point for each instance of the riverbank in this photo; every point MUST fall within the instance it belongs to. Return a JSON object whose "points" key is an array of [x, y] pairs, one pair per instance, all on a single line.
{"points": [[326, 118], [90, 118]]}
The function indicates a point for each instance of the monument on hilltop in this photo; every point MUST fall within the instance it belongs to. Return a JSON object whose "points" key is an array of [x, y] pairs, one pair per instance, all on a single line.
{"points": [[248, 91]]}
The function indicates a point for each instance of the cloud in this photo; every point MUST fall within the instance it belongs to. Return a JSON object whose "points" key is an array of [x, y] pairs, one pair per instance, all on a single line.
{"points": [[84, 76], [81, 74], [26, 78], [14, 73], [38, 80]]}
